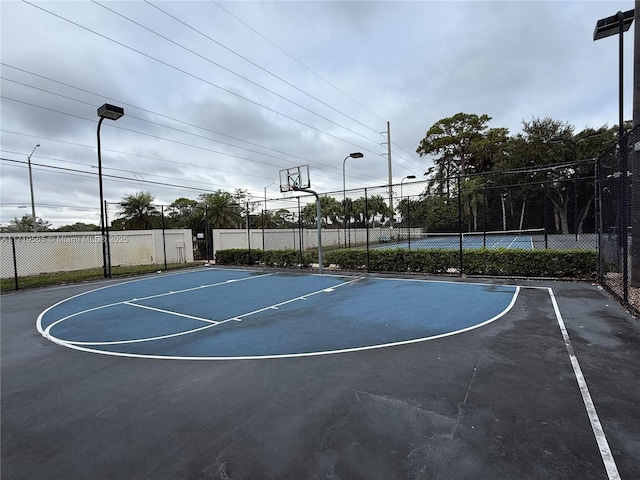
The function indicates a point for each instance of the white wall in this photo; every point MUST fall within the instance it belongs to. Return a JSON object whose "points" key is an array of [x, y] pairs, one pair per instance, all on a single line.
{"points": [[280, 239], [45, 252]]}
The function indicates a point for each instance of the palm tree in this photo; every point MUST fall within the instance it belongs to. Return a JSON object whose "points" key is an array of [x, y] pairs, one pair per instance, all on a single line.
{"points": [[223, 209], [138, 213]]}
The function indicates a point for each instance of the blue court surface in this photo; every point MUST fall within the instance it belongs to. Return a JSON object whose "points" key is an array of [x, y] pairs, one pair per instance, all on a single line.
{"points": [[219, 313], [469, 242]]}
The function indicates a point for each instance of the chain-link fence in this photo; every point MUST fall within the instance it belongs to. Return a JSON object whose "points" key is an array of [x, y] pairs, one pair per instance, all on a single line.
{"points": [[53, 257], [618, 181], [545, 208]]}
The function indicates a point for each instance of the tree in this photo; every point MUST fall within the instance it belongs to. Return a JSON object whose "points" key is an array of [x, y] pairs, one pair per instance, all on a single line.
{"points": [[138, 213], [184, 213], [545, 142], [223, 209], [78, 227], [456, 142], [331, 212], [472, 197], [25, 224]]}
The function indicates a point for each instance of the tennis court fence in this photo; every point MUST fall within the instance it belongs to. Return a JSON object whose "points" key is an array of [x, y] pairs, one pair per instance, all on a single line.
{"points": [[618, 190]]}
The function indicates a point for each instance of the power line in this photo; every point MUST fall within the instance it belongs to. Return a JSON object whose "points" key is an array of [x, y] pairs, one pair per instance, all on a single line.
{"points": [[317, 164], [227, 69], [197, 77], [310, 70], [151, 135], [73, 171], [259, 66], [206, 81]]}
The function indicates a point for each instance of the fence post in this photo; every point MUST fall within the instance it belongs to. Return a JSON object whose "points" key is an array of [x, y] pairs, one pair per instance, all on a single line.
{"points": [[546, 208], [624, 220], [263, 229], [484, 216], [206, 233], [409, 218], [15, 262], [248, 231], [460, 223], [300, 233], [366, 224], [164, 243], [598, 213], [106, 240]]}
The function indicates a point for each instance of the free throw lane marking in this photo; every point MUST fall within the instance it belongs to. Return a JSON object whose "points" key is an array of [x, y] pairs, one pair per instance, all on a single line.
{"points": [[177, 314], [237, 318]]}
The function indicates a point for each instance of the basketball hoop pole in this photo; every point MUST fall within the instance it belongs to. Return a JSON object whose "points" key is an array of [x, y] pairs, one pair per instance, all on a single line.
{"points": [[319, 214]]}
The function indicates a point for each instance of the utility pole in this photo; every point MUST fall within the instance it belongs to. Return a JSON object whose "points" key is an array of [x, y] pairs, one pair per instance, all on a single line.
{"points": [[33, 203], [390, 179]]}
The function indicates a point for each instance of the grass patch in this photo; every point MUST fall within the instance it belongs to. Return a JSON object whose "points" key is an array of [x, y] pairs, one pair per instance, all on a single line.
{"points": [[77, 276]]}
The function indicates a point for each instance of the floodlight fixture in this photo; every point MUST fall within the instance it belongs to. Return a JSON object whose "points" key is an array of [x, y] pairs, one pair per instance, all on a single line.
{"points": [[606, 27], [111, 112]]}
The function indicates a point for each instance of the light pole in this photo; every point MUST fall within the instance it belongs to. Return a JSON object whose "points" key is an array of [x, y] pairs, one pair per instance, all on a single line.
{"points": [[344, 192], [33, 203], [616, 25], [112, 113]]}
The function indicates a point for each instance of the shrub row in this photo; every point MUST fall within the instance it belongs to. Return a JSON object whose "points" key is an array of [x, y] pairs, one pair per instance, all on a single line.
{"points": [[269, 258], [502, 262]]}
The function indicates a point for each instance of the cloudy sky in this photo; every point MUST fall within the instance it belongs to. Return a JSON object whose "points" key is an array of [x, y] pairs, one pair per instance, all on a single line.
{"points": [[223, 95]]}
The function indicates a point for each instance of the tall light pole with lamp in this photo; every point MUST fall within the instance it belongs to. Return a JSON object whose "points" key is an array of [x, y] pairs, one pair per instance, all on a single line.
{"points": [[33, 203], [344, 191], [605, 27], [111, 112]]}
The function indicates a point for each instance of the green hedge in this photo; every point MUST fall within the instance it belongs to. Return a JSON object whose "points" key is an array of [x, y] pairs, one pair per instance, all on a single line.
{"points": [[269, 258], [502, 262]]}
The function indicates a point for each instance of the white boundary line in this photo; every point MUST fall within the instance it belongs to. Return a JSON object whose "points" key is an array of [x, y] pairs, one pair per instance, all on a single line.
{"points": [[78, 345], [603, 445]]}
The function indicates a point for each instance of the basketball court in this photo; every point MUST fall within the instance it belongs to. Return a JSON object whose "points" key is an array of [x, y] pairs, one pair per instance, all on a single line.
{"points": [[236, 374]]}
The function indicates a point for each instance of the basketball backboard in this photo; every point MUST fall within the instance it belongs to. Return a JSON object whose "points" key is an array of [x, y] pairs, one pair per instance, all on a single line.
{"points": [[294, 178]]}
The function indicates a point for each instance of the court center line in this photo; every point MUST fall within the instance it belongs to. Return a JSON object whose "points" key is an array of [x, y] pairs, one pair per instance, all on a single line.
{"points": [[177, 314], [601, 439]]}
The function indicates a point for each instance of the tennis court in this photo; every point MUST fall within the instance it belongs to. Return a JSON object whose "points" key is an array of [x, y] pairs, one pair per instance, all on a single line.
{"points": [[227, 373], [517, 239]]}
